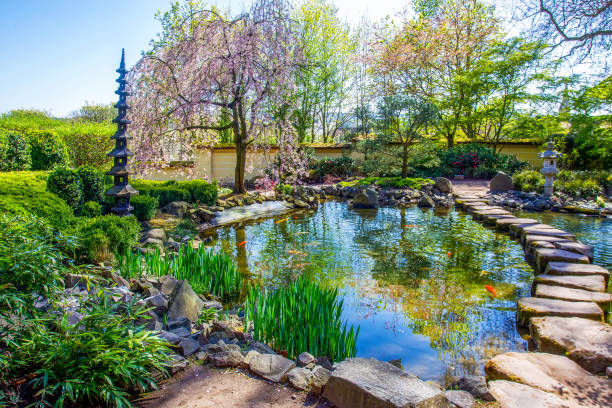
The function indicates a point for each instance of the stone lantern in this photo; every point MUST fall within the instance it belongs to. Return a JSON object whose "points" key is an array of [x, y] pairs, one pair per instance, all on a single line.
{"points": [[549, 169]]}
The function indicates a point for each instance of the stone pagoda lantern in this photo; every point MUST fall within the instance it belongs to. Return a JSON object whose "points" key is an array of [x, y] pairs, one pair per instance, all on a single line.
{"points": [[549, 169], [121, 191]]}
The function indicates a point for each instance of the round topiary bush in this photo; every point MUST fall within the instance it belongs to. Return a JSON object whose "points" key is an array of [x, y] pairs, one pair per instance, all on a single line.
{"points": [[14, 151], [67, 184], [47, 150], [93, 183], [144, 207]]}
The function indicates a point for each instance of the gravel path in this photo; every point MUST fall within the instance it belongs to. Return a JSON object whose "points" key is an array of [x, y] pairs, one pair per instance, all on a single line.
{"points": [[470, 187]]}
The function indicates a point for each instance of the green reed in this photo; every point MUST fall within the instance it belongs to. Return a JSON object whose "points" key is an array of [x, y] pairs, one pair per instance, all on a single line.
{"points": [[206, 271], [302, 316]]}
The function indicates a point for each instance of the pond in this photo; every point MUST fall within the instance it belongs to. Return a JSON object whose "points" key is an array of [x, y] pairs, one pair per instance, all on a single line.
{"points": [[411, 279]]}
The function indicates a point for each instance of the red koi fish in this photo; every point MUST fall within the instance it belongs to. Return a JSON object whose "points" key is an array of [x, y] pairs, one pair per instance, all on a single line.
{"points": [[243, 243], [491, 290]]}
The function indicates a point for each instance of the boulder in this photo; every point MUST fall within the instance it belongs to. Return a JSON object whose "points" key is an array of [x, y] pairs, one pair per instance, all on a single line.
{"points": [[425, 202], [301, 378], [509, 394], [475, 385], [443, 185], [167, 284], [573, 295], [587, 342], [156, 233], [366, 198], [169, 337], [176, 208], [189, 346], [501, 182], [320, 378], [180, 321], [539, 307], [204, 214], [158, 303], [249, 356], [271, 367], [460, 399], [554, 374], [230, 358], [184, 302], [594, 283], [305, 359], [364, 383]]}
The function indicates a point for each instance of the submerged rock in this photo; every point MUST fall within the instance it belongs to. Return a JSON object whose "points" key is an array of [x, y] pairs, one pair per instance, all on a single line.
{"points": [[364, 383]]}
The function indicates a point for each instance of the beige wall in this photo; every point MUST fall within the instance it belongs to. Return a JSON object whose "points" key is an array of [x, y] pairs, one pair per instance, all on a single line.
{"points": [[219, 163]]}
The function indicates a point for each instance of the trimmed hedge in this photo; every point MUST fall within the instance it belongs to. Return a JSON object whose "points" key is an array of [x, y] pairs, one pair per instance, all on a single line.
{"points": [[202, 191], [144, 206], [106, 237], [14, 151], [25, 192], [67, 184], [93, 183], [172, 190], [47, 150]]}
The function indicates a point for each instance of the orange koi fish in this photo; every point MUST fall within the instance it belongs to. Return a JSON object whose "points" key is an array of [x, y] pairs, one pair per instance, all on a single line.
{"points": [[243, 243], [290, 251], [283, 220], [410, 226], [302, 265], [492, 290], [449, 254]]}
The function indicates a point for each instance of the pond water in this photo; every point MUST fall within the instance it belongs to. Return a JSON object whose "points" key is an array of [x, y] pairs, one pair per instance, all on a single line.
{"points": [[411, 279]]}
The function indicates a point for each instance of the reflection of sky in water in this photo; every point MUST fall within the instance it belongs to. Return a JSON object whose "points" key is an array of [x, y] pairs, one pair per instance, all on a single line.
{"points": [[413, 281]]}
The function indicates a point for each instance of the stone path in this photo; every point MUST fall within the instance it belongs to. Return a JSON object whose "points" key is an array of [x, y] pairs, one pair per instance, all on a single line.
{"points": [[565, 317]]}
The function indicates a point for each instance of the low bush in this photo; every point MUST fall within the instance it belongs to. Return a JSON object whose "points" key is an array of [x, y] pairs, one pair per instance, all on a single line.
{"points": [[67, 184], [529, 180], [588, 184], [342, 167], [201, 190], [14, 151], [93, 183], [395, 182], [91, 209], [172, 190], [302, 316], [144, 207], [106, 237], [477, 160], [285, 189], [47, 150], [25, 192]]}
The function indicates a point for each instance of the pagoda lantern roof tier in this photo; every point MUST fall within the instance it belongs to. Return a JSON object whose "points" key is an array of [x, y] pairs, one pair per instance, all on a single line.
{"points": [[121, 120], [121, 135], [121, 105], [118, 170], [120, 152], [122, 191]]}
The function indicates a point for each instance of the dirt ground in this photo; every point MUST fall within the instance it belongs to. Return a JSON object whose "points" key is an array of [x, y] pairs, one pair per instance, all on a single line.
{"points": [[470, 187], [207, 387]]}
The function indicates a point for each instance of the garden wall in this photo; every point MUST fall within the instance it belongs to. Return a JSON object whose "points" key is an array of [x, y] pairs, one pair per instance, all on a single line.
{"points": [[219, 162]]}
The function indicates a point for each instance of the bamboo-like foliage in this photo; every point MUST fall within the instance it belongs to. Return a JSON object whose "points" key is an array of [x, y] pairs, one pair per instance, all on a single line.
{"points": [[302, 316], [205, 270]]}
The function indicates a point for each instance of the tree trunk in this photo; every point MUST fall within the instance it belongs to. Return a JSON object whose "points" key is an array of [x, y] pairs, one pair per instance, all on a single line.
{"points": [[450, 141], [240, 140], [405, 161]]}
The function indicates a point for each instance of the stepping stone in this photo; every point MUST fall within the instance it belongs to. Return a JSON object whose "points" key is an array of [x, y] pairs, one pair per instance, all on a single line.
{"points": [[492, 219], [587, 342], [509, 394], [577, 247], [554, 374], [573, 295], [594, 283], [463, 201], [472, 208], [479, 215], [546, 231], [504, 224], [532, 237], [545, 255], [576, 269], [539, 307], [517, 229]]}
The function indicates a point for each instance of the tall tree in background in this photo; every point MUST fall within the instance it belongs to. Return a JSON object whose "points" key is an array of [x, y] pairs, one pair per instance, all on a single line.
{"points": [[324, 79], [206, 64]]}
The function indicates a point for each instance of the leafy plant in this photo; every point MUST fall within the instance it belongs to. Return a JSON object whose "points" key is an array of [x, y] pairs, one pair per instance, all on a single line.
{"points": [[339, 166], [47, 150], [208, 315], [201, 190], [529, 180], [67, 184], [144, 207], [105, 237], [302, 316], [91, 209], [93, 183], [285, 189], [14, 151]]}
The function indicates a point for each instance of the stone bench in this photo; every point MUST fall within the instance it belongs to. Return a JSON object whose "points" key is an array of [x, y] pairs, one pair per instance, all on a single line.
{"points": [[576, 269], [587, 342], [573, 295], [540, 307], [593, 283], [545, 255]]}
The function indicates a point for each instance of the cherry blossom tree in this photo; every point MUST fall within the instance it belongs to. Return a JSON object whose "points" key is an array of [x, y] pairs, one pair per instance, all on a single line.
{"points": [[208, 72]]}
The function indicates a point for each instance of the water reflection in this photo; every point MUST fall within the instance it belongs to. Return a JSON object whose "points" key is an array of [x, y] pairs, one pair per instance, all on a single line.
{"points": [[413, 280]]}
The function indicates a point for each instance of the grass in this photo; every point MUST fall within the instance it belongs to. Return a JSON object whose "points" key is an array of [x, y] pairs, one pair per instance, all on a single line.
{"points": [[302, 316], [206, 271]]}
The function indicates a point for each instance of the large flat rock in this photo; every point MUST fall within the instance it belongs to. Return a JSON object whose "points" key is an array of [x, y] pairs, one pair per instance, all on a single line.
{"points": [[594, 283], [545, 255], [573, 295], [473, 208], [546, 230], [587, 342], [576, 269], [554, 374], [577, 247], [517, 229], [492, 219], [370, 383], [250, 212], [533, 237], [479, 215], [539, 307], [510, 394], [504, 224]]}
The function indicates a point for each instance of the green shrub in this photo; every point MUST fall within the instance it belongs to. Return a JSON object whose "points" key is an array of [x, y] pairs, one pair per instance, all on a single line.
{"points": [[302, 316], [67, 184], [91, 209], [529, 180], [200, 190], [25, 192], [47, 150], [478, 160], [105, 237], [285, 189], [396, 182], [341, 167], [98, 361], [14, 151], [93, 183], [144, 207], [584, 183]]}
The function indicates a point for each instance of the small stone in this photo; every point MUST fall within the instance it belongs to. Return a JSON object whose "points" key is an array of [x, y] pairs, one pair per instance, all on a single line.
{"points": [[304, 359], [189, 346], [324, 362], [397, 363], [158, 303], [460, 399], [202, 356], [169, 337], [475, 385], [181, 332], [231, 358], [301, 378], [181, 321], [425, 202], [177, 363], [320, 378]]}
